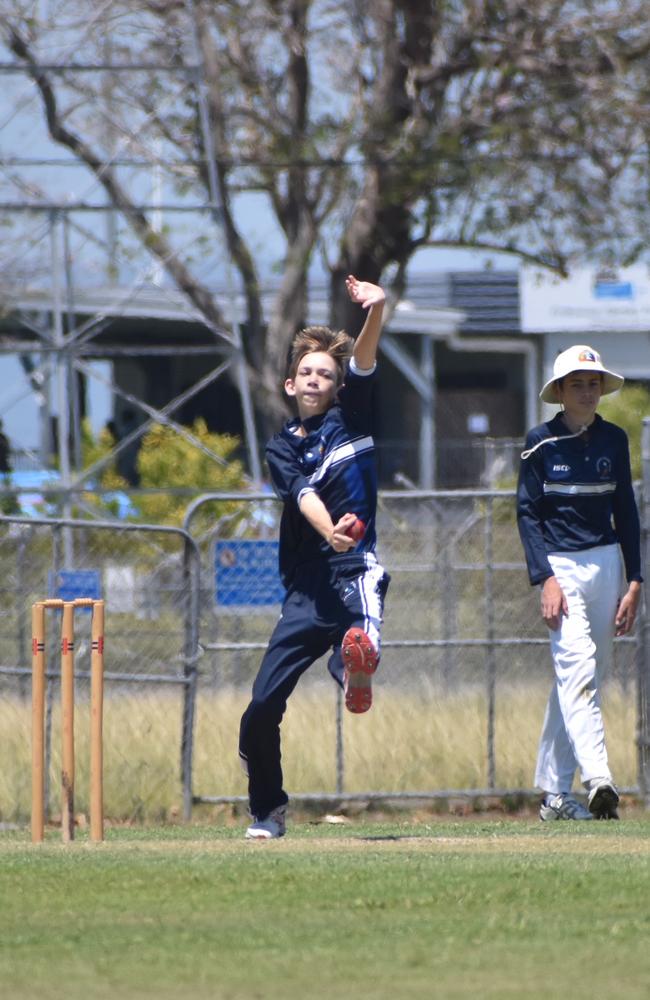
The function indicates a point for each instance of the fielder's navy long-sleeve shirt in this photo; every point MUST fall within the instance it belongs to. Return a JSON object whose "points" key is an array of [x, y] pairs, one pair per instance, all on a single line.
{"points": [[336, 460], [576, 493]]}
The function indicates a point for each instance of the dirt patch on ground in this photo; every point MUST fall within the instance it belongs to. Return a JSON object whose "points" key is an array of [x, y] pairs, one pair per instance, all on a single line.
{"points": [[555, 840], [515, 845]]}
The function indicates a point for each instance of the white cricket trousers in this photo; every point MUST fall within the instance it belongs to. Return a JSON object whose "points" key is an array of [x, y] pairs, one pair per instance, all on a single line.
{"points": [[573, 734]]}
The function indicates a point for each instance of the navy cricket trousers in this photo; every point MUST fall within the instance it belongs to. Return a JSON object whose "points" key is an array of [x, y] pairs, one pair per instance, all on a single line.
{"points": [[323, 602]]}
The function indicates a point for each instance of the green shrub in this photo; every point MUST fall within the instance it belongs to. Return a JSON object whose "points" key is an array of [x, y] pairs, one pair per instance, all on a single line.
{"points": [[627, 408], [167, 462]]}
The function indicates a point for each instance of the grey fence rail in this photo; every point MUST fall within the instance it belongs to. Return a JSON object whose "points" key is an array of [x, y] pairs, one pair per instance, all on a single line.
{"points": [[460, 692]]}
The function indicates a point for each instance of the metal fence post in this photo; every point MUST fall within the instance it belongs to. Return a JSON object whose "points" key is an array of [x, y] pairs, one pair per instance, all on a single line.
{"points": [[447, 582], [23, 604], [340, 750], [192, 587], [52, 667], [643, 660], [489, 634]]}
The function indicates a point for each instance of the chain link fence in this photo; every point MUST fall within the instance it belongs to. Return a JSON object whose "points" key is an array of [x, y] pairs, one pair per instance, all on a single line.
{"points": [[149, 578], [465, 670], [459, 695]]}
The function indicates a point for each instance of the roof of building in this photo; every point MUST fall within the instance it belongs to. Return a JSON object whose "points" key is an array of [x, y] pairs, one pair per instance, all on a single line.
{"points": [[489, 300], [123, 317]]}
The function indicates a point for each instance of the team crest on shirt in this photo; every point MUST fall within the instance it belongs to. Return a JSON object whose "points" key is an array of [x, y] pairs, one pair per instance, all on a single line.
{"points": [[310, 459], [604, 467]]}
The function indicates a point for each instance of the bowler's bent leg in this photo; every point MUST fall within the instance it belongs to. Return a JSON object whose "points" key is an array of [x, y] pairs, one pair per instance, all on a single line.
{"points": [[295, 644]]}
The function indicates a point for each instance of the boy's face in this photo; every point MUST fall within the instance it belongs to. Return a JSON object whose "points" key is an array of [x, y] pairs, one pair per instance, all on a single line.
{"points": [[315, 384], [580, 392]]}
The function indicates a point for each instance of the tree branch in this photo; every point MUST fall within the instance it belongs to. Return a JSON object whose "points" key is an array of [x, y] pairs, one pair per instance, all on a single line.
{"points": [[155, 242], [556, 263]]}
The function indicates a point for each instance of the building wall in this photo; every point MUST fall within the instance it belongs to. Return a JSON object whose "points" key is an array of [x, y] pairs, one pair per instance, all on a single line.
{"points": [[478, 396]]}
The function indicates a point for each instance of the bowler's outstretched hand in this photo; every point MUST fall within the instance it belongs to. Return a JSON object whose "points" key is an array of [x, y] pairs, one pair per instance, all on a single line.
{"points": [[364, 292]]}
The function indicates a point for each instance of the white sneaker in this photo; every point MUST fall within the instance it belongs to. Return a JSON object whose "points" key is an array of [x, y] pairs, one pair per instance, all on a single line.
{"points": [[562, 806], [603, 799], [272, 826]]}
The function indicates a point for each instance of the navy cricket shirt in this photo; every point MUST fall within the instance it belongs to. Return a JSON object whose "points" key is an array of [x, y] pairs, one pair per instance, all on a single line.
{"points": [[577, 493], [336, 460]]}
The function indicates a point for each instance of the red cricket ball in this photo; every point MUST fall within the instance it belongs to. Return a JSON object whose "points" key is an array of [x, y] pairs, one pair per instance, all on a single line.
{"points": [[356, 530]]}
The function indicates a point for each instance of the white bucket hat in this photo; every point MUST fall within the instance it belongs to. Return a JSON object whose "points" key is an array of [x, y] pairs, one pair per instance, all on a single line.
{"points": [[579, 358]]}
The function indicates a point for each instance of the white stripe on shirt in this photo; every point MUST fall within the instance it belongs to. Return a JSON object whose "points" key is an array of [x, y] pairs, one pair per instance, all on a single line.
{"points": [[579, 489], [342, 454]]}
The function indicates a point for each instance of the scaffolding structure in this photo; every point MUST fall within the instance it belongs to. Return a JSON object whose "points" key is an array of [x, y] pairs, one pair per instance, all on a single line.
{"points": [[56, 321], [63, 323]]}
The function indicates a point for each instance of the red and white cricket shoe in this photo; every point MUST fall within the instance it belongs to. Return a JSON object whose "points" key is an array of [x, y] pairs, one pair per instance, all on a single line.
{"points": [[360, 660]]}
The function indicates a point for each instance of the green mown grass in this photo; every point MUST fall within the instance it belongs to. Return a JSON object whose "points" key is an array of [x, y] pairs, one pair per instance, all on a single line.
{"points": [[478, 908]]}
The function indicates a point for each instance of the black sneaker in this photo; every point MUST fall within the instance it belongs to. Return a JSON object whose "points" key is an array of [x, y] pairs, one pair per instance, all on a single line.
{"points": [[603, 800]]}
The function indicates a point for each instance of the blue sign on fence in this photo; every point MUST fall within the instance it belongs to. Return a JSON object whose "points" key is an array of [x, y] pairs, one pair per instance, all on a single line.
{"points": [[69, 584], [246, 573]]}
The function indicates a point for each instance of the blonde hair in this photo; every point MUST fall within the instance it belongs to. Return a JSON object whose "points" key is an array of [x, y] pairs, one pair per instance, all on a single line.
{"points": [[339, 346]]}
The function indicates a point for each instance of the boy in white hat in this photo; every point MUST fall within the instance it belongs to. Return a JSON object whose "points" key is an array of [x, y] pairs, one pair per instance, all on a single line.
{"points": [[577, 513]]}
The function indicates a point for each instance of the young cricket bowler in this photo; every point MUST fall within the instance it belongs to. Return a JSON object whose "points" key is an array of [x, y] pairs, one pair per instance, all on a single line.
{"points": [[323, 467]]}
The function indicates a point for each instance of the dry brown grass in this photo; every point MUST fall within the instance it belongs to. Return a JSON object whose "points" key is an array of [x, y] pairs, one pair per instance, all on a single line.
{"points": [[408, 742]]}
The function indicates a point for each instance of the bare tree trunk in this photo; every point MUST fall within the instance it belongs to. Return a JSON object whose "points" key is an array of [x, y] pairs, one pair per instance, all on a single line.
{"points": [[377, 235], [254, 327], [288, 316], [380, 229]]}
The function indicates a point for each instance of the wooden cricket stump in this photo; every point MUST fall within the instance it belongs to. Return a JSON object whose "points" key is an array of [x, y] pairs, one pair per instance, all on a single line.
{"points": [[67, 609]]}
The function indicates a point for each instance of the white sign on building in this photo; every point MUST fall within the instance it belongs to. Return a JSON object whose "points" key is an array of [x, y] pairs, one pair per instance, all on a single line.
{"points": [[588, 300]]}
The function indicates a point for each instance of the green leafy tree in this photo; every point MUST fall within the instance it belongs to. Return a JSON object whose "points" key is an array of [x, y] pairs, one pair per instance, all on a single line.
{"points": [[170, 466], [167, 461], [627, 408], [93, 449]]}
